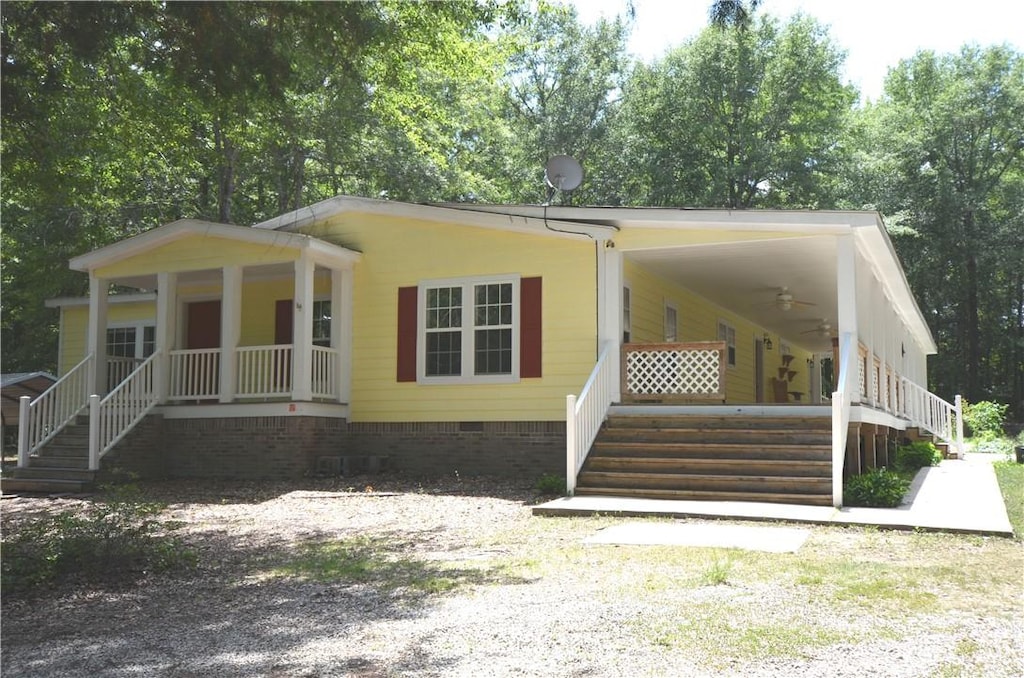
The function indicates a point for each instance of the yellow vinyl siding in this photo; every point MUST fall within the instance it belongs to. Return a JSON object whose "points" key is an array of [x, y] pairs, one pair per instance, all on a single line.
{"points": [[75, 327], [196, 253], [404, 253]]}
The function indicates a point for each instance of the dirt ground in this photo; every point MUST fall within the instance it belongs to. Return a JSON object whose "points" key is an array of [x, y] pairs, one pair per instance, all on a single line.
{"points": [[392, 577]]}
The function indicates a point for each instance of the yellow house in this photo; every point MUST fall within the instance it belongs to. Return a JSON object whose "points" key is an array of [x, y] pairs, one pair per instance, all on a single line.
{"points": [[479, 338]]}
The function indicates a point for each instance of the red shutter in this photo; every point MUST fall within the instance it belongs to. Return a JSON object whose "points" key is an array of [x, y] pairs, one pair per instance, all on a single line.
{"points": [[530, 327], [407, 332]]}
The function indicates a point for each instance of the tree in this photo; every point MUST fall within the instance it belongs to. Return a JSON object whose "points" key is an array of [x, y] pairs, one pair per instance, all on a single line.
{"points": [[739, 119], [949, 135]]}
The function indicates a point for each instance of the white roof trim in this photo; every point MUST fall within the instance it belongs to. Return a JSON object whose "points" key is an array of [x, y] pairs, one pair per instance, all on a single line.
{"points": [[449, 214], [134, 298], [321, 251]]}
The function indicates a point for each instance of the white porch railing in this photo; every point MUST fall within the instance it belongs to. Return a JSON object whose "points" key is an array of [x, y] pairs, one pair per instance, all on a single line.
{"points": [[928, 411], [195, 374], [264, 371], [325, 372], [41, 419], [585, 414], [841, 402], [118, 369], [679, 371], [111, 418]]}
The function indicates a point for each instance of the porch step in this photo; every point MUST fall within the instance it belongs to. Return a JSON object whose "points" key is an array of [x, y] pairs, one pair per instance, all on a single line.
{"points": [[741, 457], [77, 461], [44, 485], [718, 495], [54, 473]]}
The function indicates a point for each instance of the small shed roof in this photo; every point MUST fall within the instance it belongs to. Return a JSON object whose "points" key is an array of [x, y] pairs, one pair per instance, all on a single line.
{"points": [[17, 384]]}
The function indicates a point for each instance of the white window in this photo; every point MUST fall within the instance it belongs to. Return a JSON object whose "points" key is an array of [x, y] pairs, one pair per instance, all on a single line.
{"points": [[627, 316], [469, 330], [322, 322], [131, 341], [671, 324], [727, 333]]}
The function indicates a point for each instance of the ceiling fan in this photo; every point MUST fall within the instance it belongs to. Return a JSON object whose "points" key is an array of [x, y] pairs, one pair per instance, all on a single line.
{"points": [[824, 329], [784, 301]]}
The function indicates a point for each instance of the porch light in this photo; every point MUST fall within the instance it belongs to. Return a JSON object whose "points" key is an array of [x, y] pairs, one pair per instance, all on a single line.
{"points": [[767, 342]]}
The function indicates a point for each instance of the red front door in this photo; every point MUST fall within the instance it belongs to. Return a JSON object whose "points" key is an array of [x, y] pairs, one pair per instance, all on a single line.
{"points": [[203, 325]]}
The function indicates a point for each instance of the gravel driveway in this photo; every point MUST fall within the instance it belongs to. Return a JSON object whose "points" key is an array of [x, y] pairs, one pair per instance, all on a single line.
{"points": [[456, 578]]}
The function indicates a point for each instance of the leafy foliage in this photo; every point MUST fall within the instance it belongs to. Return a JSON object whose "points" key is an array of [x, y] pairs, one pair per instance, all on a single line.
{"points": [[917, 455], [110, 541], [551, 484], [878, 488], [984, 419]]}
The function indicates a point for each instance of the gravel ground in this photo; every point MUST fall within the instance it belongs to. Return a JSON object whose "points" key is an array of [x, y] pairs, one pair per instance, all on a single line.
{"points": [[461, 580]]}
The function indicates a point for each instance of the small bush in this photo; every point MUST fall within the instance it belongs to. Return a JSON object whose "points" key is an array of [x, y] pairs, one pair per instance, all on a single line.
{"points": [[1003, 446], [550, 483], [916, 455], [111, 540], [878, 487], [984, 419]]}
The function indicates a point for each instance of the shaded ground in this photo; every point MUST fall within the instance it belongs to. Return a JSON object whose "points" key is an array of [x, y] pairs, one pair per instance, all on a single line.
{"points": [[343, 578]]}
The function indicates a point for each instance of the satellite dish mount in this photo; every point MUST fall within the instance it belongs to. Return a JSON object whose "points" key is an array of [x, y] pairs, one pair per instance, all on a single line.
{"points": [[561, 173]]}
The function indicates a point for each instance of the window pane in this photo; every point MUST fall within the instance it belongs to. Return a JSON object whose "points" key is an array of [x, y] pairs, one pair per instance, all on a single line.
{"points": [[121, 342], [322, 322], [493, 305], [444, 354], [148, 340], [493, 352]]}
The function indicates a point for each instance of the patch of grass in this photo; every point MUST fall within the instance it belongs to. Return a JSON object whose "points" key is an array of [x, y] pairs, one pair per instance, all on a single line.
{"points": [[551, 484], [1011, 483], [381, 564], [712, 632], [717, 572], [114, 540]]}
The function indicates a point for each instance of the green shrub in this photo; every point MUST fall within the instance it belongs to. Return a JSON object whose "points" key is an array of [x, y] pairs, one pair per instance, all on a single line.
{"points": [[550, 483], [111, 540], [878, 487], [984, 419], [917, 454]]}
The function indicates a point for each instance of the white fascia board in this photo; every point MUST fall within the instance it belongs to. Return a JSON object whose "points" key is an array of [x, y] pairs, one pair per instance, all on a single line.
{"points": [[68, 302], [878, 250], [447, 214], [186, 227]]}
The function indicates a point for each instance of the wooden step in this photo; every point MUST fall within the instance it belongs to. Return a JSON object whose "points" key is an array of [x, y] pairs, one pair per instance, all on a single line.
{"points": [[53, 473], [701, 422], [694, 495], [706, 482], [731, 435], [53, 461], [697, 450], [744, 467]]}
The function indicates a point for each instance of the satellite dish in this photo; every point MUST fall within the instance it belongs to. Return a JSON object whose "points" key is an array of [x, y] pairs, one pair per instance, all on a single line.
{"points": [[563, 173]]}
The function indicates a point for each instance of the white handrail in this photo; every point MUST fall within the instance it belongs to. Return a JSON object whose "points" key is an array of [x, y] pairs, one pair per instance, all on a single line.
{"points": [[841, 401], [195, 374], [325, 372], [111, 418], [264, 371], [585, 414], [41, 419], [928, 411]]}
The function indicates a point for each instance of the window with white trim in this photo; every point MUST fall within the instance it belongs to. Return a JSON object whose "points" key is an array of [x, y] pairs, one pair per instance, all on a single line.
{"points": [[627, 315], [727, 333], [671, 324], [469, 330], [131, 341], [322, 322]]}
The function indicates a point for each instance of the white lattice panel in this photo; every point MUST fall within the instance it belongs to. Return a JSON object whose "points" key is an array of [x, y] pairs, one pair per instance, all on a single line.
{"points": [[862, 377], [675, 372]]}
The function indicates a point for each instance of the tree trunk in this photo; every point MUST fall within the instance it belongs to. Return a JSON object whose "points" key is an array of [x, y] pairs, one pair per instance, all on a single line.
{"points": [[972, 354]]}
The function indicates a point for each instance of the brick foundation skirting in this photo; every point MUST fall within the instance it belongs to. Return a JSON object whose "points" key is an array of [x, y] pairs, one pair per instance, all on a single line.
{"points": [[255, 448]]}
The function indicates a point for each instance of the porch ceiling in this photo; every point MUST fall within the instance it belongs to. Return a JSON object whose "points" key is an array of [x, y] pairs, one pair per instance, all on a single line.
{"points": [[744, 277]]}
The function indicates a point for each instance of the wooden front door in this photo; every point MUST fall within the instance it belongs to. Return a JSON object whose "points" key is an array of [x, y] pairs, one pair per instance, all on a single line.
{"points": [[203, 325]]}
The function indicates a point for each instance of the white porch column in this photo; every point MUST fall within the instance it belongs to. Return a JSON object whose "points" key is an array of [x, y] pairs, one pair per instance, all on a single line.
{"points": [[341, 330], [97, 344], [302, 330], [873, 334], [846, 303], [166, 329], [609, 310], [230, 330]]}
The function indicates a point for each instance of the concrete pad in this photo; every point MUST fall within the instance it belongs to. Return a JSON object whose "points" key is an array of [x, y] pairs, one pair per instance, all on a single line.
{"points": [[754, 538]]}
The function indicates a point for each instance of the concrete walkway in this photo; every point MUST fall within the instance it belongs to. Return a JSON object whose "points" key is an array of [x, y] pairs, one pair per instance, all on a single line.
{"points": [[955, 496]]}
